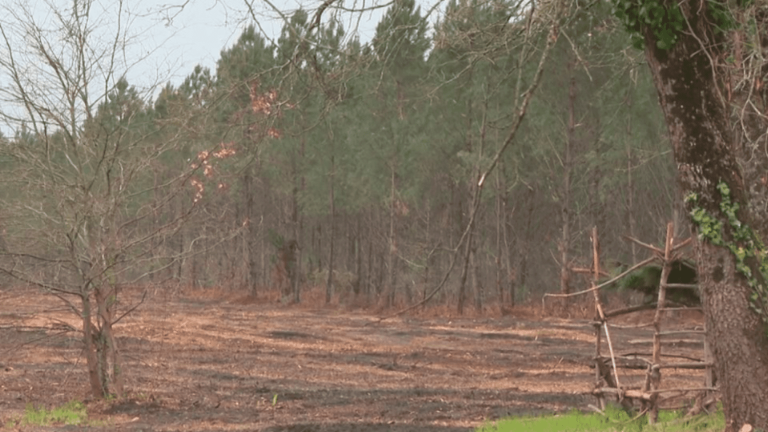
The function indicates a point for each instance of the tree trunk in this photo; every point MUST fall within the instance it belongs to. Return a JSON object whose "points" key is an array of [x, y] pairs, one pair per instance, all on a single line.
{"points": [[179, 264], [392, 263], [565, 240], [110, 368], [250, 233], [525, 243], [468, 253], [428, 259], [296, 276], [380, 277], [358, 257], [500, 224], [91, 357], [329, 281], [463, 278], [319, 248], [630, 186], [194, 267], [697, 118], [477, 283], [370, 273], [297, 222]]}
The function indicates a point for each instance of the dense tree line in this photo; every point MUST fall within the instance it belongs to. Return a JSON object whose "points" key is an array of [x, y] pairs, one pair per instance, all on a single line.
{"points": [[365, 155]]}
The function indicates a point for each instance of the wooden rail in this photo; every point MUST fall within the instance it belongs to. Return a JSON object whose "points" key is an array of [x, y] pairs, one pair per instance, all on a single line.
{"points": [[607, 366]]}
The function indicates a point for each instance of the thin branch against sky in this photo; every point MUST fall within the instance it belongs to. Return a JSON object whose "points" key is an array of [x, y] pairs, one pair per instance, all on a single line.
{"points": [[196, 31], [164, 42]]}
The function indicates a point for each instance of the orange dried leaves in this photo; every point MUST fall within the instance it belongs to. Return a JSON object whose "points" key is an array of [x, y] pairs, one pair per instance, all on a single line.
{"points": [[224, 150]]}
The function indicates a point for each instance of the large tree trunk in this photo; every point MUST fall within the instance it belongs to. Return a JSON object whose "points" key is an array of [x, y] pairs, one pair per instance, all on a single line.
{"points": [[697, 118]]}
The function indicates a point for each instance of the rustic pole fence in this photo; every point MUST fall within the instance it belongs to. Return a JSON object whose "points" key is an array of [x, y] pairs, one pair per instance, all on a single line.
{"points": [[607, 376]]}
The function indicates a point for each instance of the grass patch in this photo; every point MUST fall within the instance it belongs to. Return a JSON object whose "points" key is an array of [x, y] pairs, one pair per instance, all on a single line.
{"points": [[71, 413], [614, 420]]}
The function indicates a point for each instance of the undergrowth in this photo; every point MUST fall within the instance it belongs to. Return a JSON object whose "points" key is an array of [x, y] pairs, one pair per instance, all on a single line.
{"points": [[614, 420], [71, 413]]}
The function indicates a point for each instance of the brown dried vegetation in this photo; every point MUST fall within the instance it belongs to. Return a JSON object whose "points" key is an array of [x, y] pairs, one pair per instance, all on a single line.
{"points": [[215, 361]]}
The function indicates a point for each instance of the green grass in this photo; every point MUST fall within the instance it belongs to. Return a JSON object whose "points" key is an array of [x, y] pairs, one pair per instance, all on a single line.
{"points": [[614, 420], [71, 413]]}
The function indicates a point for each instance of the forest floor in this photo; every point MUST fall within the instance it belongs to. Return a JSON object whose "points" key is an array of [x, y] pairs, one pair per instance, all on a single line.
{"points": [[203, 362]]}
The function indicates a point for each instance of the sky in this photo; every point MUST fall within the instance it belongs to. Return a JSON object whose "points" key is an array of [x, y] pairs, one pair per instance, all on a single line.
{"points": [[166, 39], [177, 39]]}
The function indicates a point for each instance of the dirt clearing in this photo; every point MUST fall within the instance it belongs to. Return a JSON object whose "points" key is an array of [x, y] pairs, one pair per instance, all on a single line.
{"points": [[197, 364]]}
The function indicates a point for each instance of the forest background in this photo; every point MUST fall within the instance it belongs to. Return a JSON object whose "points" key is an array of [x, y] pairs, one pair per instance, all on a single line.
{"points": [[323, 161], [464, 165]]}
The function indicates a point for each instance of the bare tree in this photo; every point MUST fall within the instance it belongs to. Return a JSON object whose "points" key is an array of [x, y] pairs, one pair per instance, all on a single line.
{"points": [[81, 213]]}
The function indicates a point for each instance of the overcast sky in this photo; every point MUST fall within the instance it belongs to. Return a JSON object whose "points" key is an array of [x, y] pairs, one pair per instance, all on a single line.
{"points": [[166, 39], [178, 39]]}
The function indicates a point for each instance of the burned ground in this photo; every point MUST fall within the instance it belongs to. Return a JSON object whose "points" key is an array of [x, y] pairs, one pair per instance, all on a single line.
{"points": [[196, 363]]}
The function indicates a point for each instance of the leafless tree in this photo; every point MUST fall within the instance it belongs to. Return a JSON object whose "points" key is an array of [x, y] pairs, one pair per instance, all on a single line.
{"points": [[81, 202]]}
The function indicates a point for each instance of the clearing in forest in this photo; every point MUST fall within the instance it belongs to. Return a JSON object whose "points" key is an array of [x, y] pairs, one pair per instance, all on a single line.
{"points": [[196, 363]]}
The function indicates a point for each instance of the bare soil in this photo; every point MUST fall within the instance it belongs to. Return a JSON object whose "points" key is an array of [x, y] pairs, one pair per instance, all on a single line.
{"points": [[219, 363]]}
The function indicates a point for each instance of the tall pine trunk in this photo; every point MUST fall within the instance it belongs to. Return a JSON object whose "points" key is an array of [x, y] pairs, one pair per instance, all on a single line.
{"points": [[500, 224], [358, 280], [565, 209], [250, 233], [297, 224], [329, 281], [630, 192], [468, 253], [523, 251], [477, 283], [392, 256]]}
